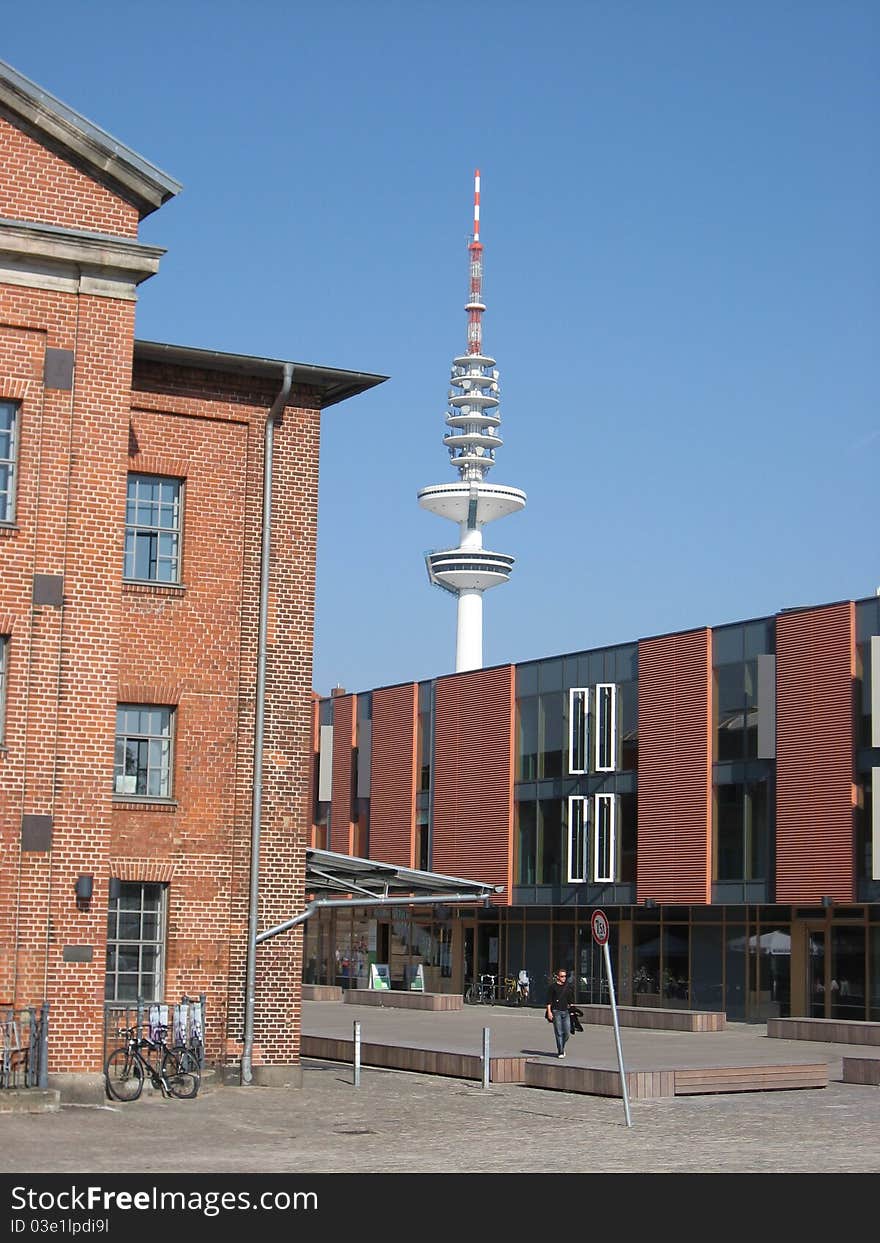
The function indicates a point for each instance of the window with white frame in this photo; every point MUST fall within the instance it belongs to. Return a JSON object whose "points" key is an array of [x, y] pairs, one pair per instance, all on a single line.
{"points": [[8, 458], [152, 529], [143, 751], [4, 661], [578, 727], [136, 942], [606, 727], [605, 838], [578, 810]]}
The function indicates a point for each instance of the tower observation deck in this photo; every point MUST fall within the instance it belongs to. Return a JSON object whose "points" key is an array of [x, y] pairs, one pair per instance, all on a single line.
{"points": [[472, 419]]}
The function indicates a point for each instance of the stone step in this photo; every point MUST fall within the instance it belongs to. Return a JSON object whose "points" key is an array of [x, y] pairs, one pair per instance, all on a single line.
{"points": [[30, 1101]]}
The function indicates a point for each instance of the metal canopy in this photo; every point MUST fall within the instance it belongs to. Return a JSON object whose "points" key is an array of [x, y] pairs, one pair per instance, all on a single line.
{"points": [[377, 884], [327, 872]]}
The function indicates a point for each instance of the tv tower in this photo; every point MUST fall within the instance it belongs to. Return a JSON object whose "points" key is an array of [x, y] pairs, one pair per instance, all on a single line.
{"points": [[473, 419]]}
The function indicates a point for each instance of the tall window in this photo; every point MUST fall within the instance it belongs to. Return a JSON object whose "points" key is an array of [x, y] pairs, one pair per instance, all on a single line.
{"points": [[606, 727], [742, 850], [136, 943], [577, 838], [578, 717], [605, 838], [8, 455], [143, 751], [152, 529], [4, 657]]}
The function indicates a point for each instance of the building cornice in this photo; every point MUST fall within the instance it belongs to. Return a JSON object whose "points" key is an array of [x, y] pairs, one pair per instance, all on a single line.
{"points": [[47, 257], [82, 143]]}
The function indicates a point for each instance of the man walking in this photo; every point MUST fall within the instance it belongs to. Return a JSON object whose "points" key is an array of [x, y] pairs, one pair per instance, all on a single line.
{"points": [[560, 995]]}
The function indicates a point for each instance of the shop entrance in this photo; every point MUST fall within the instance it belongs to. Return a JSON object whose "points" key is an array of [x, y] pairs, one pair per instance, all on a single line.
{"points": [[481, 951], [836, 962]]}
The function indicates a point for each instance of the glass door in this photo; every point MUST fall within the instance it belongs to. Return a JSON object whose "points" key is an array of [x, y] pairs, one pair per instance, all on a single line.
{"points": [[817, 970]]}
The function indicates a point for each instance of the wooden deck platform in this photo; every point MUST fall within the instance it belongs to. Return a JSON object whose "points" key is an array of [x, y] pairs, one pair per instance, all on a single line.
{"points": [[830, 1031], [861, 1070], [593, 1081], [395, 998], [657, 1018]]}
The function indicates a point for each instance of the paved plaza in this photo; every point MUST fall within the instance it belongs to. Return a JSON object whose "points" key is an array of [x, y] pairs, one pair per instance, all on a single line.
{"points": [[402, 1122]]}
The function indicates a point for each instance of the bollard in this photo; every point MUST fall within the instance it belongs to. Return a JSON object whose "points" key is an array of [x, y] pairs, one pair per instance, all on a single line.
{"points": [[485, 1057], [357, 1054]]}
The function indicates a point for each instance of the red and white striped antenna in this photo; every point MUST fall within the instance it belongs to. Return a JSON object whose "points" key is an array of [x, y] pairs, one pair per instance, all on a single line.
{"points": [[475, 305]]}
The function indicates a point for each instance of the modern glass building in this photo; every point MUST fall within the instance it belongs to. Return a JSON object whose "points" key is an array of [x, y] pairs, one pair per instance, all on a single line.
{"points": [[713, 790]]}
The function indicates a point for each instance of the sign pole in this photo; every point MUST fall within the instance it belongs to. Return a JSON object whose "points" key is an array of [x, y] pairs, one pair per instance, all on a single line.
{"points": [[599, 924]]}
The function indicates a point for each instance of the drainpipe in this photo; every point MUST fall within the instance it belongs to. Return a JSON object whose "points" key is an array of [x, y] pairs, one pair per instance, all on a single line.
{"points": [[257, 805]]}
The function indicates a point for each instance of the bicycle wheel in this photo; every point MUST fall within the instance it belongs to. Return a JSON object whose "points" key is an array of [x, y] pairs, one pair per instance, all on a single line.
{"points": [[472, 994], [124, 1076], [181, 1073]]}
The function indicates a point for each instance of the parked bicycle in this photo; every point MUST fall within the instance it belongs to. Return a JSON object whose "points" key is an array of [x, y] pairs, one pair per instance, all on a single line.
{"points": [[516, 989], [173, 1069], [482, 991]]}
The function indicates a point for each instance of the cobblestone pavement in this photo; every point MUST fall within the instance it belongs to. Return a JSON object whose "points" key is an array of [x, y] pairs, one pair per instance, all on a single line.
{"points": [[400, 1122]]}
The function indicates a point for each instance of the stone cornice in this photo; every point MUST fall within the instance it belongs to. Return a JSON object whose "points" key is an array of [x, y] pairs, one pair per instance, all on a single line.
{"points": [[84, 144], [47, 257]]}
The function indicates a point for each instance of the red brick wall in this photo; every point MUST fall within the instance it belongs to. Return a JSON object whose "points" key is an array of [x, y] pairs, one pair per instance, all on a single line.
{"points": [[675, 768], [473, 777], [40, 186], [194, 647], [815, 754], [393, 774]]}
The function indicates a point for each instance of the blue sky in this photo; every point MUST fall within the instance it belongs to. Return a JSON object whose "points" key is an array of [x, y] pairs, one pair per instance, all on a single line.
{"points": [[679, 205]]}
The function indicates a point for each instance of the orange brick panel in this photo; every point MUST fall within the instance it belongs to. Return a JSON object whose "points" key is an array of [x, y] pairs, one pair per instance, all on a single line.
{"points": [[344, 724], [473, 777], [393, 774], [675, 772], [815, 668]]}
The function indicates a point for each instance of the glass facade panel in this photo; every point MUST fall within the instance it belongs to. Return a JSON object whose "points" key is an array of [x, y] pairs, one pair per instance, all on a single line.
{"points": [[550, 736], [847, 972], [527, 843], [527, 739], [707, 967], [551, 845]]}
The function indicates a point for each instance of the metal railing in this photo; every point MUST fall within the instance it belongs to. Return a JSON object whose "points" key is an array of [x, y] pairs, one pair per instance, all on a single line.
{"points": [[183, 1021], [23, 1058]]}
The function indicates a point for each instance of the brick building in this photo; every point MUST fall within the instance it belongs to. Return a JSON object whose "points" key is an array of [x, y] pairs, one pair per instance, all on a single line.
{"points": [[131, 536], [715, 791]]}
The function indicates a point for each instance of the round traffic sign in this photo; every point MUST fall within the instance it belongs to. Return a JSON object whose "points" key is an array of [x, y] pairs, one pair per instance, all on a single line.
{"points": [[599, 924]]}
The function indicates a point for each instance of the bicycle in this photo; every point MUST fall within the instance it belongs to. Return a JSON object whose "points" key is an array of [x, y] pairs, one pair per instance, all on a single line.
{"points": [[516, 991], [482, 991], [127, 1067]]}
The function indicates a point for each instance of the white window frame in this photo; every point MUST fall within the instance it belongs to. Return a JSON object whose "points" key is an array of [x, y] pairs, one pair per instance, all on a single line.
{"points": [[578, 868], [7, 505], [159, 753], [605, 727], [604, 875], [154, 530], [582, 693]]}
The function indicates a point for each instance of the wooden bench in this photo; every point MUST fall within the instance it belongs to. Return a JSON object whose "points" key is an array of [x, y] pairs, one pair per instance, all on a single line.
{"points": [[861, 1070], [395, 998], [422, 1061], [648, 1084], [832, 1031], [750, 1078], [321, 992], [657, 1018]]}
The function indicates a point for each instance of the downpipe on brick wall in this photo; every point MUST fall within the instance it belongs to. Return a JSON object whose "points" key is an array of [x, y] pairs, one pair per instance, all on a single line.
{"points": [[257, 805]]}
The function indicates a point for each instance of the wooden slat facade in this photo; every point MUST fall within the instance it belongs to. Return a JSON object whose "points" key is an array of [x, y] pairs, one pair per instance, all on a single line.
{"points": [[675, 769], [473, 777], [815, 757], [393, 774], [344, 724]]}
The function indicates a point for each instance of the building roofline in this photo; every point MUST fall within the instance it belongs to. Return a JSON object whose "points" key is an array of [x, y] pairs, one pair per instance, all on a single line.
{"points": [[85, 144], [332, 384]]}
